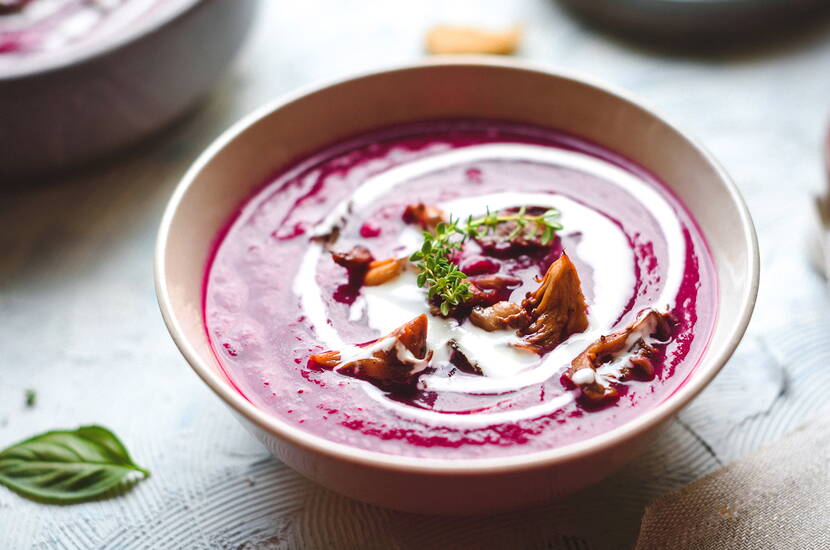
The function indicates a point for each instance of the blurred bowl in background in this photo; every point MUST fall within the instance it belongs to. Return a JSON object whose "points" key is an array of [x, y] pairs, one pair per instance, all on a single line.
{"points": [[67, 105], [686, 20]]}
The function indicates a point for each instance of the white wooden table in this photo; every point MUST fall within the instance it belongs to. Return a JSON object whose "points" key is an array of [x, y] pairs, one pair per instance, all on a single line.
{"points": [[79, 322]]}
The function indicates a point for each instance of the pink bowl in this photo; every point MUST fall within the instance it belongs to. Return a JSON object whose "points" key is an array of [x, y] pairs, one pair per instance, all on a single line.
{"points": [[234, 165]]}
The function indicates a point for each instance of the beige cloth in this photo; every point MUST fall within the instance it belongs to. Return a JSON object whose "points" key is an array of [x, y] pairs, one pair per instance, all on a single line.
{"points": [[778, 497]]}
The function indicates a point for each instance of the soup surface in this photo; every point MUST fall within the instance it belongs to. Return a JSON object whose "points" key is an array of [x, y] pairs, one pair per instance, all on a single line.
{"points": [[575, 292], [34, 28]]}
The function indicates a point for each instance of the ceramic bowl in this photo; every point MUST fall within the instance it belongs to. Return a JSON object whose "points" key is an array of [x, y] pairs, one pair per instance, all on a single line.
{"points": [[244, 157], [63, 109], [696, 21]]}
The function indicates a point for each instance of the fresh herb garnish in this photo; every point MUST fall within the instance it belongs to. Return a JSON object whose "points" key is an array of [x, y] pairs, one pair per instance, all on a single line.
{"points": [[438, 272], [31, 398], [443, 278], [67, 466], [544, 226]]}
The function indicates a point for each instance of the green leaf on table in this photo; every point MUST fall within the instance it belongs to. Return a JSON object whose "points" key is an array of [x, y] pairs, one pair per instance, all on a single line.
{"points": [[67, 466], [31, 398]]}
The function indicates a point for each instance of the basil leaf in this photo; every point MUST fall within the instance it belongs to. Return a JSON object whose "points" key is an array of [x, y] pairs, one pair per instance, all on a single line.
{"points": [[67, 466]]}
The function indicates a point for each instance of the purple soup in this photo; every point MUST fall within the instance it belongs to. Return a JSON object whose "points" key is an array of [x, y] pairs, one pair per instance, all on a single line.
{"points": [[460, 289], [51, 27]]}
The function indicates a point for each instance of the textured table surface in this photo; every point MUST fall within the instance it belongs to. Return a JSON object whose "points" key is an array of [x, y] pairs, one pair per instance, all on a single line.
{"points": [[80, 323]]}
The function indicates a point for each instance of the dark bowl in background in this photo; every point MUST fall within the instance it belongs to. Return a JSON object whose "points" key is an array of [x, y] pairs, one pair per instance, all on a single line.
{"points": [[679, 21], [61, 113]]}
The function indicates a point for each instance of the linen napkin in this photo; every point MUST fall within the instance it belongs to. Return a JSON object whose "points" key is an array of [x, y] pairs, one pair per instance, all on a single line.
{"points": [[778, 497]]}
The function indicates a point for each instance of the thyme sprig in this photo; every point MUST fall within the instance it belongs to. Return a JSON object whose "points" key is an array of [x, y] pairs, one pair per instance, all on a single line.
{"points": [[544, 225], [437, 271], [442, 277]]}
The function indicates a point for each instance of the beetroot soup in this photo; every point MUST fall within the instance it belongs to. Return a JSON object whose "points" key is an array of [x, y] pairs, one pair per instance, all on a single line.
{"points": [[460, 289], [51, 27]]}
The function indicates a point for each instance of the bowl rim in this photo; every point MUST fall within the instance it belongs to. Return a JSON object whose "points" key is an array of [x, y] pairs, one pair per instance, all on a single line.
{"points": [[44, 64], [704, 372]]}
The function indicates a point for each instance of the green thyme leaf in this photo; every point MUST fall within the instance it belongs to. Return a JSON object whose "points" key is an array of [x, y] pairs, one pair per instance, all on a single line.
{"points": [[547, 235], [67, 466], [442, 277]]}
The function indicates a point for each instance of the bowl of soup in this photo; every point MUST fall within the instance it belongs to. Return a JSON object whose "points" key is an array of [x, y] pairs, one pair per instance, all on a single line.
{"points": [[457, 287], [80, 79]]}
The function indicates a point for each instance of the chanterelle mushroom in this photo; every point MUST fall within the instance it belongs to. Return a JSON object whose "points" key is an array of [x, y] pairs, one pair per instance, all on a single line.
{"points": [[356, 261], [455, 39], [363, 269], [383, 271], [500, 316], [425, 215], [394, 361], [632, 341], [556, 309]]}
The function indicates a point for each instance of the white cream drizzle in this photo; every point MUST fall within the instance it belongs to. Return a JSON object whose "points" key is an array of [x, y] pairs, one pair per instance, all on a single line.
{"points": [[354, 353], [583, 376], [469, 420], [603, 246], [393, 304]]}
